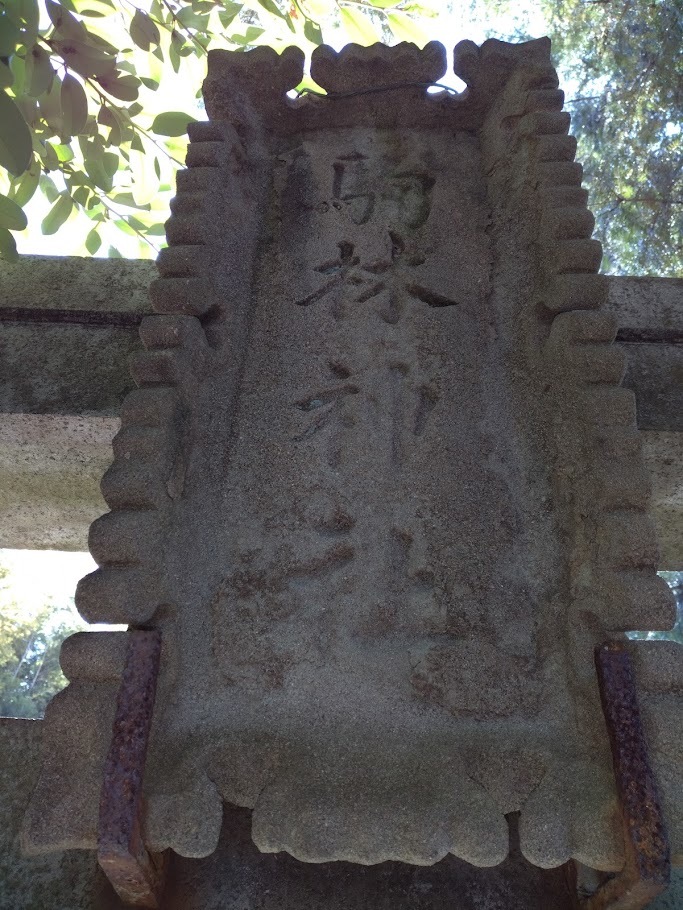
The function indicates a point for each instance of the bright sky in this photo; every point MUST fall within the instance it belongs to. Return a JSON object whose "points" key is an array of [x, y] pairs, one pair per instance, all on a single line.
{"points": [[37, 575]]}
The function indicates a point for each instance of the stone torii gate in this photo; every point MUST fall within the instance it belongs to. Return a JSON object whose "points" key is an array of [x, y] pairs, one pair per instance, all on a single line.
{"points": [[378, 512]]}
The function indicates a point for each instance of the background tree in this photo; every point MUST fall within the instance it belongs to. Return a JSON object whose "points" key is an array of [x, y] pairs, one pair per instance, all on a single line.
{"points": [[29, 653], [77, 86], [80, 121], [623, 60]]}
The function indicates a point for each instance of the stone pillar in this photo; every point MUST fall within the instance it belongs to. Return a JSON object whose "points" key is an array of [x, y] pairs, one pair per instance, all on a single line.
{"points": [[379, 488]]}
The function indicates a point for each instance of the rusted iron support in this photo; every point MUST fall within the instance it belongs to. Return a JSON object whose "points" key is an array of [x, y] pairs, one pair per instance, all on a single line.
{"points": [[135, 874], [647, 868]]}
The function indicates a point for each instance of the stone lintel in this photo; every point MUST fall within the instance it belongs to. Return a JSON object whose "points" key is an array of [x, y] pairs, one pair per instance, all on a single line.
{"points": [[62, 382], [648, 308], [76, 283]]}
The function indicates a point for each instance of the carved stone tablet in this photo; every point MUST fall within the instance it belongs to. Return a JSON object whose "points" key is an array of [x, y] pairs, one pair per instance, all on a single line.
{"points": [[379, 488]]}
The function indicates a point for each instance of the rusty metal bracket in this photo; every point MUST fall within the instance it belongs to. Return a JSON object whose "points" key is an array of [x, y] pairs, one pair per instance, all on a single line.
{"points": [[647, 868], [136, 875]]}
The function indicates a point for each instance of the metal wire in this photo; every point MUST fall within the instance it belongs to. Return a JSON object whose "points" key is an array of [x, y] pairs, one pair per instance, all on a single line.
{"points": [[335, 96]]}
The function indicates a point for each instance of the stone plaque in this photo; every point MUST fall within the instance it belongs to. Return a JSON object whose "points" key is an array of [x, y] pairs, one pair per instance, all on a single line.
{"points": [[379, 487]]}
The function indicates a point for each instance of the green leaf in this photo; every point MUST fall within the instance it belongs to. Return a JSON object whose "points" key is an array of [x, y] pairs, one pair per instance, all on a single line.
{"points": [[108, 116], [271, 7], [128, 200], [113, 253], [29, 109], [358, 27], [39, 72], [190, 19], [313, 32], [74, 106], [87, 60], [57, 215], [99, 43], [64, 22], [51, 106], [125, 88], [94, 8], [172, 123], [11, 215], [137, 224], [123, 225], [226, 16], [30, 13], [18, 67], [64, 152], [249, 37], [110, 163], [407, 29], [8, 246], [144, 31], [10, 35], [25, 186], [93, 241], [95, 169], [50, 157], [15, 137], [47, 185], [317, 9], [81, 195], [177, 42], [6, 75]]}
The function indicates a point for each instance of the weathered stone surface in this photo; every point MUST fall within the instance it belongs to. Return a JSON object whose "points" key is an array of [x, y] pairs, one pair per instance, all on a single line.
{"points": [[663, 453], [379, 474], [61, 881], [64, 369], [67, 328], [655, 373], [650, 316], [50, 470], [647, 308], [672, 899], [71, 283], [64, 810], [238, 875]]}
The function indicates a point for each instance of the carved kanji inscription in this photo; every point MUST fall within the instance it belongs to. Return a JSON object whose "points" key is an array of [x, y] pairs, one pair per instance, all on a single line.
{"points": [[367, 489], [357, 552]]}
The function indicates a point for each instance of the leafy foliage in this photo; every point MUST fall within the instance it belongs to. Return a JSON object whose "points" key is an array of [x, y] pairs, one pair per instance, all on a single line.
{"points": [[621, 67], [83, 83], [78, 118], [626, 60]]}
